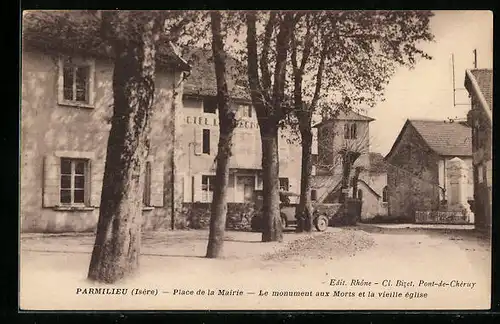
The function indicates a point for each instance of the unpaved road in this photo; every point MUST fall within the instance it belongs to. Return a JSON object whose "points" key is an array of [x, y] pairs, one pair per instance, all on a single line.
{"points": [[53, 268]]}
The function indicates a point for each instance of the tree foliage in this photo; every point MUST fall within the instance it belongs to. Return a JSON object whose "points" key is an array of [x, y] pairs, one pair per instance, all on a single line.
{"points": [[353, 55]]}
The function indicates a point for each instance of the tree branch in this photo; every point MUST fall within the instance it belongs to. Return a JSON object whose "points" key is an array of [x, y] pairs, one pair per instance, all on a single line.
{"points": [[253, 67], [264, 59], [282, 46], [308, 42], [319, 75]]}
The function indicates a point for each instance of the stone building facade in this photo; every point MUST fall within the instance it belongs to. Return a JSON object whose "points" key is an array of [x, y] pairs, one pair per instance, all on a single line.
{"points": [[66, 109], [417, 178], [348, 130], [479, 84], [198, 129]]}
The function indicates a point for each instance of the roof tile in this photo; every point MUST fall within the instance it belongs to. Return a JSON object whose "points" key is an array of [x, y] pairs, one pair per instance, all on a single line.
{"points": [[484, 78], [445, 138]]}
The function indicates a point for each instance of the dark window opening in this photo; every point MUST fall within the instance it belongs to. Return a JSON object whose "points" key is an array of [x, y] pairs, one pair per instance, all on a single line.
{"points": [[284, 184], [350, 131], [146, 197], [210, 105], [206, 141], [354, 132], [384, 194], [314, 195], [246, 111], [75, 82]]}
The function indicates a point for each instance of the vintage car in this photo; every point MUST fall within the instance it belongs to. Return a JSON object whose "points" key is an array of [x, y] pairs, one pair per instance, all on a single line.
{"points": [[288, 203]]}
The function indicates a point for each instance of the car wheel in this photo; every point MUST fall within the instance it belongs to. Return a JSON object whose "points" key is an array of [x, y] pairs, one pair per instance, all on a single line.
{"points": [[321, 223], [283, 222]]}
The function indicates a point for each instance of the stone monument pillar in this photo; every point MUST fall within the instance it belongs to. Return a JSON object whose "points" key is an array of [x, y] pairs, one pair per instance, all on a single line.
{"points": [[457, 173]]}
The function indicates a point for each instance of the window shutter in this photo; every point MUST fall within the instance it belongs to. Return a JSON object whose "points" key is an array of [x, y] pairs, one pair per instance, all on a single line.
{"points": [[186, 187], [198, 141], [51, 170], [197, 187], [157, 184], [95, 176], [489, 169], [314, 148]]}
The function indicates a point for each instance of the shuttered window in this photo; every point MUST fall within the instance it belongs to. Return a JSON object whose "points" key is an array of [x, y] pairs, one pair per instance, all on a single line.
{"points": [[207, 188], [73, 182]]}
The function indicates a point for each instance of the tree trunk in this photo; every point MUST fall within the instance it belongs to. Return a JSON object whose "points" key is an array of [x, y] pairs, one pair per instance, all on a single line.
{"points": [[272, 227], [269, 108], [117, 246], [305, 209], [227, 123], [355, 178]]}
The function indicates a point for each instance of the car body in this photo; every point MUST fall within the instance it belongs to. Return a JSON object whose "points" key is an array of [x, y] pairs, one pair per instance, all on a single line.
{"points": [[288, 204]]}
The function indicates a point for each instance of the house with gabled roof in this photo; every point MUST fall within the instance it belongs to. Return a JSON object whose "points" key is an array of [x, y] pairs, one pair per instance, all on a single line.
{"points": [[66, 111], [418, 164], [479, 84]]}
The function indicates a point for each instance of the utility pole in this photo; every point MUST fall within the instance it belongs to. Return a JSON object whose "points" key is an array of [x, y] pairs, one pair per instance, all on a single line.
{"points": [[453, 80]]}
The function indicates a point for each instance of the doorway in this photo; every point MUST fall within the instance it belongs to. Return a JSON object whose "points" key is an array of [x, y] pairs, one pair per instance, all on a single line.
{"points": [[245, 186]]}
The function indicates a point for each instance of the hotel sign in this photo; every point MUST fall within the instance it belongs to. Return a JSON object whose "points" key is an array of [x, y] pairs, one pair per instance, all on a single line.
{"points": [[210, 121]]}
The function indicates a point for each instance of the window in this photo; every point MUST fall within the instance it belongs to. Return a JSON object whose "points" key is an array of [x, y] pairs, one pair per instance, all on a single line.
{"points": [[353, 131], [73, 189], [284, 184], [350, 131], [246, 111], [210, 105], [360, 194], [146, 197], [384, 194], [206, 141], [346, 131], [314, 195], [480, 174], [76, 81], [207, 188]]}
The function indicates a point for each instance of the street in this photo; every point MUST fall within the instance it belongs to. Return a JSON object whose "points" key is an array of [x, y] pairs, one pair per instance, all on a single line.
{"points": [[53, 267]]}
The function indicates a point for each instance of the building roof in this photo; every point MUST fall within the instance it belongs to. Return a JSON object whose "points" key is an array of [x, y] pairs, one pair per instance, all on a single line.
{"points": [[480, 83], [443, 137], [346, 115], [78, 32], [202, 80], [369, 188], [377, 163], [484, 78]]}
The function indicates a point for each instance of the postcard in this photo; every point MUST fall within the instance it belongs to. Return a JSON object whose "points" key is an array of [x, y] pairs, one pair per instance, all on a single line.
{"points": [[256, 160]]}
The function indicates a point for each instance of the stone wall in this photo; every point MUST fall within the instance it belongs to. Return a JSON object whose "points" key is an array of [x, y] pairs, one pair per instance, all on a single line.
{"points": [[239, 215], [441, 217], [412, 177], [197, 216], [51, 129]]}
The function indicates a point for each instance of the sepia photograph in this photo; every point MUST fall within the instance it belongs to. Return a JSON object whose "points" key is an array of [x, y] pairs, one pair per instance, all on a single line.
{"points": [[255, 160]]}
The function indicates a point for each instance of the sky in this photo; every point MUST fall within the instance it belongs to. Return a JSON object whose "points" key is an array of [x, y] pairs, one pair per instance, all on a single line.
{"points": [[426, 92]]}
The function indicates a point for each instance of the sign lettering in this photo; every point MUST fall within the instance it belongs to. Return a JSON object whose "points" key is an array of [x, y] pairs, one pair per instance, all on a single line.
{"points": [[205, 121]]}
